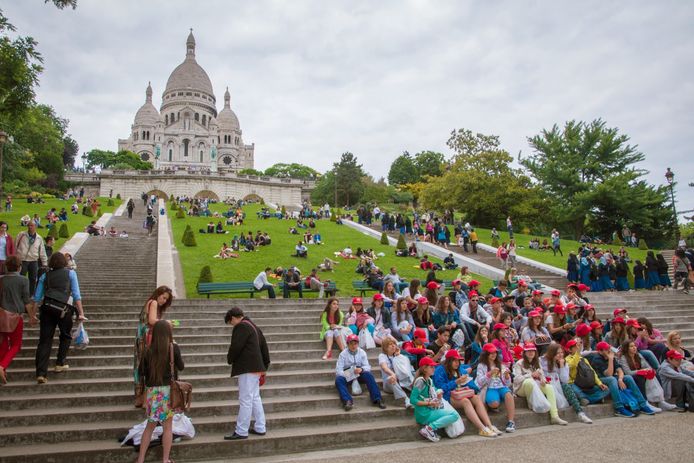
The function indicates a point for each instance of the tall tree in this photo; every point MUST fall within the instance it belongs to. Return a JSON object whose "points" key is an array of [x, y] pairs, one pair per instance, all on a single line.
{"points": [[588, 171], [429, 163], [403, 170], [121, 159], [293, 170], [345, 182], [70, 151]]}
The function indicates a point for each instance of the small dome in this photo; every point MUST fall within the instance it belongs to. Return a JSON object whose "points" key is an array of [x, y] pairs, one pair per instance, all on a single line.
{"points": [[227, 119], [189, 75], [147, 114]]}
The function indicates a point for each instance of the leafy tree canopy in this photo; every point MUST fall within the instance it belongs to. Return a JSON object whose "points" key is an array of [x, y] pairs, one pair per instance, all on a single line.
{"points": [[293, 170], [110, 160], [403, 170], [251, 172]]}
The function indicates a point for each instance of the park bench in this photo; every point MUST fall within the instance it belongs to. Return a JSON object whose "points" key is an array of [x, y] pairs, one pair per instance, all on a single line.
{"points": [[229, 287], [332, 287], [362, 287]]}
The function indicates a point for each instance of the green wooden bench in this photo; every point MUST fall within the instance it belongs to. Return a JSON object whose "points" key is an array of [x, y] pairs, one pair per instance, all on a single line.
{"points": [[331, 288], [229, 287], [362, 287]]}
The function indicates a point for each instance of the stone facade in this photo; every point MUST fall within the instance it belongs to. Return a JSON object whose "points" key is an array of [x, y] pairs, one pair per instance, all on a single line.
{"points": [[187, 133]]}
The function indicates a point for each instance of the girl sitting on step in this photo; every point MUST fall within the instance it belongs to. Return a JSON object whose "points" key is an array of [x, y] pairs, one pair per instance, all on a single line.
{"points": [[557, 372], [494, 379], [156, 371], [428, 402], [331, 327]]}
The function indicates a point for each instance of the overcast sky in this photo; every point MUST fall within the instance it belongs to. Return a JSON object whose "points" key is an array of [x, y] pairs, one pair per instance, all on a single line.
{"points": [[312, 79]]}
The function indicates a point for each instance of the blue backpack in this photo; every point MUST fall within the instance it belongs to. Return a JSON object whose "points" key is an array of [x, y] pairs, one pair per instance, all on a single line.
{"points": [[629, 400]]}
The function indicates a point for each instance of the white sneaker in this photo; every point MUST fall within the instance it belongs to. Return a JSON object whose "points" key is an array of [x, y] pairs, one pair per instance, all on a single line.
{"points": [[408, 405], [558, 420], [666, 406], [584, 418], [429, 434], [496, 430], [654, 408]]}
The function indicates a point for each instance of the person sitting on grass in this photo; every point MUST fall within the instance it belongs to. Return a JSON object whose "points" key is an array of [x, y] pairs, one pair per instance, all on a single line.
{"points": [[353, 365], [427, 402], [300, 250]]}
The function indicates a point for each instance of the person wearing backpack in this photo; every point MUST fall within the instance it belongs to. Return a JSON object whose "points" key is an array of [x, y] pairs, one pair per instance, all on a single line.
{"points": [[621, 387], [158, 374]]}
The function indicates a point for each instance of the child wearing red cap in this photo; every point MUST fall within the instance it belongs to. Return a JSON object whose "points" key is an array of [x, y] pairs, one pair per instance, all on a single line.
{"points": [[554, 365], [494, 380], [678, 382], [529, 379], [635, 365], [422, 316], [402, 324], [535, 332], [428, 402], [499, 341]]}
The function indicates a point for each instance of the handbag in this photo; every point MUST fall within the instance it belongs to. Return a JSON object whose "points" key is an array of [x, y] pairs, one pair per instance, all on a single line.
{"points": [[181, 392], [462, 393], [8, 320]]}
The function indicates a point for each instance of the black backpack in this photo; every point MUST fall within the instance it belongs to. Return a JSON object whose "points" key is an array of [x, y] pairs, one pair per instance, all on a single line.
{"points": [[585, 376]]}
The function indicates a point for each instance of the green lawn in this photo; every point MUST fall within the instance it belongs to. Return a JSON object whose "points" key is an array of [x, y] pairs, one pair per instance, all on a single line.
{"points": [[246, 267], [75, 223]]}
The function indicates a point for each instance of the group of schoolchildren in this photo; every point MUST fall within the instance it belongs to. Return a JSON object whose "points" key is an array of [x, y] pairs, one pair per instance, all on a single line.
{"points": [[447, 353]]}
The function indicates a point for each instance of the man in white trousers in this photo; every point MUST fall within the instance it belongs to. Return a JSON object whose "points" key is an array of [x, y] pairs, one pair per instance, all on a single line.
{"points": [[249, 359]]}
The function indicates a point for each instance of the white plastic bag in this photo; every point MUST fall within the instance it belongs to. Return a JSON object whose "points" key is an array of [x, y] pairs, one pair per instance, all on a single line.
{"points": [[356, 388], [344, 332], [562, 403], [458, 338], [366, 340], [654, 391], [537, 400], [403, 371], [80, 338], [457, 428]]}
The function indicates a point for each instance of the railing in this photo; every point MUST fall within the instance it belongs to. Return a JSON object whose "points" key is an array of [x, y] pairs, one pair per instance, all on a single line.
{"points": [[206, 173]]}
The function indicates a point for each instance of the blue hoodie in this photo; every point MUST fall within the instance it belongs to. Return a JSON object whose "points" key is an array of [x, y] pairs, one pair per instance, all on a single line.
{"points": [[443, 382]]}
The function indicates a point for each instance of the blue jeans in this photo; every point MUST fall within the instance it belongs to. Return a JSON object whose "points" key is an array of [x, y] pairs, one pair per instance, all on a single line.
{"points": [[364, 378], [613, 387], [593, 395]]}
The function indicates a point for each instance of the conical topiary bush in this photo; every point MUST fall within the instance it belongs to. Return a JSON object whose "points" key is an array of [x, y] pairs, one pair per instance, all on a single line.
{"points": [[401, 242], [63, 232], [384, 238], [205, 275]]}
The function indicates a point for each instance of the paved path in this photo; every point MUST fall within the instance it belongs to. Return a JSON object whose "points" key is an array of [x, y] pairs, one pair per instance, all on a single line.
{"points": [[664, 437]]}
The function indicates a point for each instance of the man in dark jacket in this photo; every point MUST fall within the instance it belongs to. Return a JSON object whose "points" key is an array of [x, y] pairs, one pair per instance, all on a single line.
{"points": [[249, 359]]}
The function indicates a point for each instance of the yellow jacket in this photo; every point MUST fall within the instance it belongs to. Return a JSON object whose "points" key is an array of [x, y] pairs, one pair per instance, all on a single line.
{"points": [[572, 361]]}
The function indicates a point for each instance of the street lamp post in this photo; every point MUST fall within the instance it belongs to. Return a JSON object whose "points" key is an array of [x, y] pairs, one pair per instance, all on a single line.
{"points": [[670, 176], [3, 140]]}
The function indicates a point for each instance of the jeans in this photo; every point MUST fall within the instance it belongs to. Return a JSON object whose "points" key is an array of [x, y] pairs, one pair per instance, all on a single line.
{"points": [[250, 405], [365, 377], [682, 392], [593, 395], [31, 270], [270, 291], [48, 322], [286, 289]]}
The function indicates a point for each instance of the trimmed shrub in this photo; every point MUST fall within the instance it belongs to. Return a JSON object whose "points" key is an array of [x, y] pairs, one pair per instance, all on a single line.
{"points": [[87, 211], [262, 202], [180, 214], [189, 238], [99, 213], [188, 229], [118, 196], [642, 244], [284, 211], [172, 198], [384, 238], [205, 275], [333, 215], [401, 242], [173, 206], [110, 202], [63, 232], [53, 232]]}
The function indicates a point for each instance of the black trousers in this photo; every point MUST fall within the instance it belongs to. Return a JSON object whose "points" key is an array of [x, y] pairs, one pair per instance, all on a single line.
{"points": [[49, 320], [130, 213], [31, 270], [286, 289], [682, 392]]}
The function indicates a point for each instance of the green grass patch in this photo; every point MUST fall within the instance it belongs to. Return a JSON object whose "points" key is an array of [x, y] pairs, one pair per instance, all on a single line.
{"points": [[249, 264], [75, 223]]}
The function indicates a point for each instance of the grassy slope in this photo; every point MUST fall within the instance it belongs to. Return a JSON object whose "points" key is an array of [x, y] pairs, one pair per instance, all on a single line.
{"points": [[75, 223], [246, 267]]}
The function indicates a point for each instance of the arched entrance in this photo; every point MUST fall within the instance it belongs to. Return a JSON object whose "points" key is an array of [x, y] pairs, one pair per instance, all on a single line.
{"points": [[207, 194], [158, 193], [252, 198]]}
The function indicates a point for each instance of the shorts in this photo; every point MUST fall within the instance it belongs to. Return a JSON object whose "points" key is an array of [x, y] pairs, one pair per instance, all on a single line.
{"points": [[158, 405], [496, 394]]}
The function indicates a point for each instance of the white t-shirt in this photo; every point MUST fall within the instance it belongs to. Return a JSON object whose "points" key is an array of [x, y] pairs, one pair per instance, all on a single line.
{"points": [[383, 358], [406, 293]]}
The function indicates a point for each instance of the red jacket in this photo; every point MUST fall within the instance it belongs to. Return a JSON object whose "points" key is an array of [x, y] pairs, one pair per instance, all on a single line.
{"points": [[9, 246]]}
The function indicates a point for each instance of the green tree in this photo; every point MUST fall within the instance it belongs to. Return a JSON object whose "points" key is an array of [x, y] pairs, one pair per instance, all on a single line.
{"points": [[401, 242], [120, 160], [70, 151], [251, 172], [63, 232], [344, 181], [429, 163], [384, 238], [403, 170], [205, 275], [588, 171], [292, 170]]}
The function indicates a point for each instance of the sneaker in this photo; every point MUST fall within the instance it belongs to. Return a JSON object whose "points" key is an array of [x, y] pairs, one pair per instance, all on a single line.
{"points": [[584, 402], [61, 368], [486, 432], [655, 409], [558, 420], [667, 406], [380, 404], [41, 379], [584, 418], [646, 410], [496, 430], [510, 427], [429, 434], [326, 356], [624, 413], [408, 404], [348, 405]]}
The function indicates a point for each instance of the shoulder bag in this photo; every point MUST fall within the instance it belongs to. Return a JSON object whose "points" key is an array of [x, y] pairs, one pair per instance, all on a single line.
{"points": [[59, 307], [8, 320], [585, 378], [181, 392]]}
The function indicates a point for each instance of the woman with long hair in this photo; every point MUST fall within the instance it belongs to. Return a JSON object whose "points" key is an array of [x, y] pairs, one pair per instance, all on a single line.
{"points": [[331, 325], [481, 338], [494, 380], [411, 293], [427, 402], [460, 391], [390, 295], [650, 338], [401, 322], [153, 311], [635, 365], [557, 372], [422, 316], [586, 314], [6, 246], [682, 269], [559, 325], [652, 275], [617, 334], [663, 272], [446, 315], [156, 371], [498, 340], [528, 377], [535, 332], [639, 275]]}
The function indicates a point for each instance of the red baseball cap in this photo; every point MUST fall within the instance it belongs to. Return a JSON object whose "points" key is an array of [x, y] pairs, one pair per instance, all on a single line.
{"points": [[453, 354], [570, 305], [422, 300], [570, 343], [673, 354], [489, 347], [522, 283], [456, 282], [589, 307], [572, 286], [473, 283], [356, 300], [618, 320], [427, 362], [352, 337], [555, 292], [583, 288], [473, 293], [602, 345], [378, 297], [538, 292], [494, 300], [616, 312], [420, 333], [595, 324], [499, 326], [582, 330], [535, 313], [559, 309], [634, 323], [529, 346], [433, 285]]}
